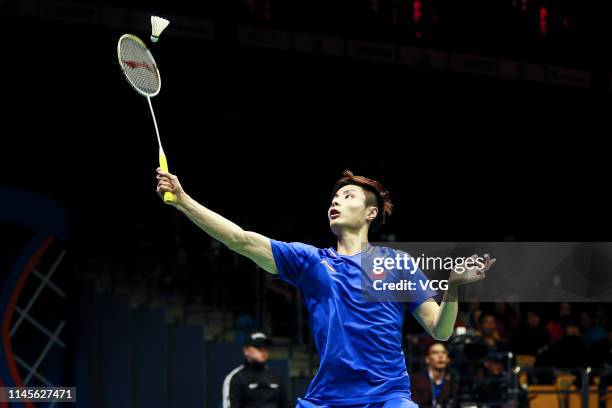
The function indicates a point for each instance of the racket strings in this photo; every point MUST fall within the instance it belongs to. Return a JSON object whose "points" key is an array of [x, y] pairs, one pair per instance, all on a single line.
{"points": [[139, 67]]}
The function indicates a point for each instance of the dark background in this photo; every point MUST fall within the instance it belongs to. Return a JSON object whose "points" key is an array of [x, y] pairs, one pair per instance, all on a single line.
{"points": [[261, 135]]}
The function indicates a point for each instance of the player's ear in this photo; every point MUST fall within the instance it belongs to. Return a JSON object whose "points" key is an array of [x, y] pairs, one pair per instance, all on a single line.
{"points": [[372, 213]]}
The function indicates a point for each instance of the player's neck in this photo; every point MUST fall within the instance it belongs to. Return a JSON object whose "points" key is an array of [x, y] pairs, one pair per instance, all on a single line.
{"points": [[350, 243]]}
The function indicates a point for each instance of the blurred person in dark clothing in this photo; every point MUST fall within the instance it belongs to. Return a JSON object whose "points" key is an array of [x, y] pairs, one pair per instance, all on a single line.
{"points": [[488, 332], [434, 388], [569, 352], [252, 384], [532, 338], [507, 319], [556, 326], [599, 354], [601, 316], [475, 316], [592, 333], [602, 353], [493, 382], [466, 309]]}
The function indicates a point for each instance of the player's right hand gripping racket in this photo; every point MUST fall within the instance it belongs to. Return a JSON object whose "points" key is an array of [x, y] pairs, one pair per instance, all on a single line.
{"points": [[141, 71]]}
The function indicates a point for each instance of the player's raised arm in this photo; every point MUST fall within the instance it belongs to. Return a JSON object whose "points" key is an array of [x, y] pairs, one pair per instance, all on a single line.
{"points": [[250, 244]]}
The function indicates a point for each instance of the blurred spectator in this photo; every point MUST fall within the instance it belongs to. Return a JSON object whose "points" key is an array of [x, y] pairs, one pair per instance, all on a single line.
{"points": [[531, 338], [475, 319], [600, 353], [601, 316], [465, 313], [434, 388], [556, 325], [488, 332], [494, 365], [493, 382], [507, 319], [570, 351], [592, 333]]}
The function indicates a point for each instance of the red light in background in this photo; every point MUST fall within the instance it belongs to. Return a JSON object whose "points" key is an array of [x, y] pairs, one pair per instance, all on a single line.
{"points": [[543, 20], [417, 10]]}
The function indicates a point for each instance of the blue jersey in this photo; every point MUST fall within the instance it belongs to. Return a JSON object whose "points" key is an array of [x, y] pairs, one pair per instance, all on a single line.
{"points": [[359, 342]]}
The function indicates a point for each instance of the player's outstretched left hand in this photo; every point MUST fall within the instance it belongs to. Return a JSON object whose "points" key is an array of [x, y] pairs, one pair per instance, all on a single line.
{"points": [[474, 273]]}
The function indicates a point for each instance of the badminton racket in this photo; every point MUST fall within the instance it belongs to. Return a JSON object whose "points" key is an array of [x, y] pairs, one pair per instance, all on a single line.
{"points": [[141, 72]]}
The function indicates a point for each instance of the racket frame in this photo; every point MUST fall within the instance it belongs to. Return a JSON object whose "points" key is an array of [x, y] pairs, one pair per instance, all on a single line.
{"points": [[141, 43]]}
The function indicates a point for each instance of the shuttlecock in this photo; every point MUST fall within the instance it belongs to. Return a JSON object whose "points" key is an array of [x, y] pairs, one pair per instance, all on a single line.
{"points": [[158, 25]]}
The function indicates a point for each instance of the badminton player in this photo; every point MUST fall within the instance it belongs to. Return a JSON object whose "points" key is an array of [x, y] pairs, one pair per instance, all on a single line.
{"points": [[359, 343]]}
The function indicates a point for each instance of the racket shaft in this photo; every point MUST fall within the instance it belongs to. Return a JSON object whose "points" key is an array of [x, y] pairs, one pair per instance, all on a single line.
{"points": [[163, 163]]}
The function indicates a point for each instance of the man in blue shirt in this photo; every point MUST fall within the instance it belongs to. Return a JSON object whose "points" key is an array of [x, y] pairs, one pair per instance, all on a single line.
{"points": [[359, 342]]}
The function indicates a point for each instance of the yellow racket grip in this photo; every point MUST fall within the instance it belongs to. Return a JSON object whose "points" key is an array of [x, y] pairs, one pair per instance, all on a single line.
{"points": [[163, 163]]}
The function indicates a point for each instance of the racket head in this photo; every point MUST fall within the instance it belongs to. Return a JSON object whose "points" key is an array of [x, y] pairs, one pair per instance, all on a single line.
{"points": [[138, 65]]}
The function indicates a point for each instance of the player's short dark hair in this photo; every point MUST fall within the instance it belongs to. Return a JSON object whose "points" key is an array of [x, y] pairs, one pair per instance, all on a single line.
{"points": [[376, 195]]}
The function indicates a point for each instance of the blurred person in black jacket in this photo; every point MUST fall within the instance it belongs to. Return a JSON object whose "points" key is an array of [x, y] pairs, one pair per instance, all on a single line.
{"points": [[489, 334], [252, 384], [532, 338]]}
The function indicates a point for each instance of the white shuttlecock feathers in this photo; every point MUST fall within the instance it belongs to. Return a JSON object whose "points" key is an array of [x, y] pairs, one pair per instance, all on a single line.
{"points": [[158, 24]]}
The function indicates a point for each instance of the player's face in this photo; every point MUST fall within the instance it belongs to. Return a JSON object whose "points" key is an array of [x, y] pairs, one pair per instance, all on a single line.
{"points": [[437, 357], [348, 209]]}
